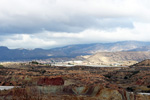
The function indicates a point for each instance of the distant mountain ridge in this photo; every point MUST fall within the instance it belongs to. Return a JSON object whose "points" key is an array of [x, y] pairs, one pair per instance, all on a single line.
{"points": [[143, 48], [70, 51]]}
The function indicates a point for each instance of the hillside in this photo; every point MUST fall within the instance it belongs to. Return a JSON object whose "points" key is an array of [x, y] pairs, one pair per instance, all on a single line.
{"points": [[117, 57], [144, 63], [143, 48]]}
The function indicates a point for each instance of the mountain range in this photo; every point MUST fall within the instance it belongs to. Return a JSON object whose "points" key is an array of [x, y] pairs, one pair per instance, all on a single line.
{"points": [[71, 51]]}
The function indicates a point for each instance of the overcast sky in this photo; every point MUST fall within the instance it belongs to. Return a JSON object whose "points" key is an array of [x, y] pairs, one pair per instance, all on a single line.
{"points": [[53, 23]]}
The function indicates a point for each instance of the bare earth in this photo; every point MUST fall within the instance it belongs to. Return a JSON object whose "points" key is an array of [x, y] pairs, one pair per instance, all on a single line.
{"points": [[42, 82]]}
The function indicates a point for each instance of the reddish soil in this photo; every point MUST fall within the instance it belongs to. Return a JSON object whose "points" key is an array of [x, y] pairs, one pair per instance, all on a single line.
{"points": [[51, 81]]}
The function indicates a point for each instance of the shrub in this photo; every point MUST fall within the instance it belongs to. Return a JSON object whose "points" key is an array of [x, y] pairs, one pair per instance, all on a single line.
{"points": [[34, 62], [1, 66]]}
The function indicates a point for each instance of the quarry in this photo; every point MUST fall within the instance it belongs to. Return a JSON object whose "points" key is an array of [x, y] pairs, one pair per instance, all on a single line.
{"points": [[36, 81]]}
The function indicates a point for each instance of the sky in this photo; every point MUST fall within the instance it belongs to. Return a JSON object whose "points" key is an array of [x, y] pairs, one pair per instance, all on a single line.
{"points": [[53, 23]]}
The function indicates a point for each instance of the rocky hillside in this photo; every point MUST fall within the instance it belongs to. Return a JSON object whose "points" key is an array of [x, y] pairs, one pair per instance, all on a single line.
{"points": [[117, 57], [144, 63]]}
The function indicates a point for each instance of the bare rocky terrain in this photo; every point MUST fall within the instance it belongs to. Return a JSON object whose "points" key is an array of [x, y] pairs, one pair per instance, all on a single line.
{"points": [[35, 81], [120, 58]]}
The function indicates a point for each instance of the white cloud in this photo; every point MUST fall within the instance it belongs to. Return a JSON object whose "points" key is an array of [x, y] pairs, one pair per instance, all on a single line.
{"points": [[26, 16], [51, 23], [26, 41]]}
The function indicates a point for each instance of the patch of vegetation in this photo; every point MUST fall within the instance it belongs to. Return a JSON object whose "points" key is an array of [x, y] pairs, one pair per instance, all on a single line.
{"points": [[1, 66], [130, 89], [34, 62], [42, 71], [129, 76], [135, 72], [126, 77], [108, 76], [148, 86]]}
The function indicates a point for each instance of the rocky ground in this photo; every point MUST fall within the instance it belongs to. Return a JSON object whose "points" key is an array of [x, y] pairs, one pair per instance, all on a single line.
{"points": [[116, 58], [43, 82]]}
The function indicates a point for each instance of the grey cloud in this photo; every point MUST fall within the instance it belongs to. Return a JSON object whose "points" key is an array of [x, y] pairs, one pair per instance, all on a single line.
{"points": [[49, 23], [74, 24], [25, 16], [48, 39]]}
